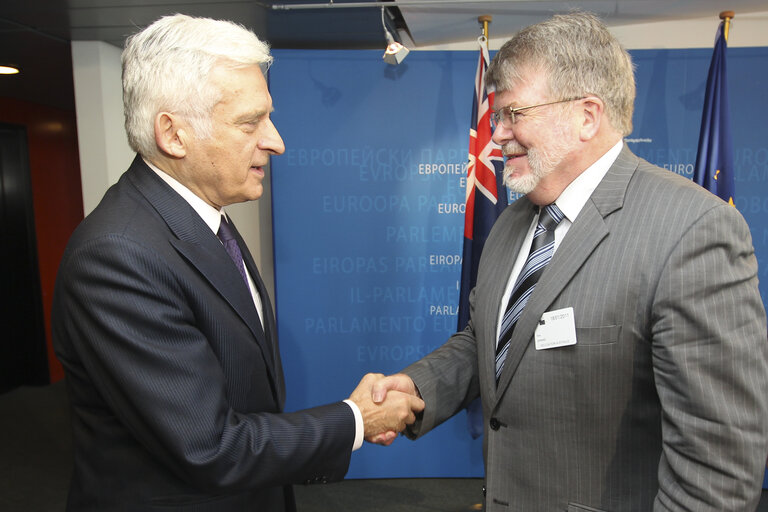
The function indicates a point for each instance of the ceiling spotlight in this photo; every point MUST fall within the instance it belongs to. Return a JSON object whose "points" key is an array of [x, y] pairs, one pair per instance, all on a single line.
{"points": [[395, 52], [7, 69]]}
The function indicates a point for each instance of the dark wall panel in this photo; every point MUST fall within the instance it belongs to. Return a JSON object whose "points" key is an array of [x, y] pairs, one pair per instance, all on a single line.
{"points": [[56, 191]]}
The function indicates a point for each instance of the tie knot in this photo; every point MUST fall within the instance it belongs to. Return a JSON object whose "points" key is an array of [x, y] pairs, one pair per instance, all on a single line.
{"points": [[225, 232], [550, 217]]}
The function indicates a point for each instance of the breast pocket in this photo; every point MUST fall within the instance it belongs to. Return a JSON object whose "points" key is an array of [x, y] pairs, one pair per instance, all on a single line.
{"points": [[604, 335], [575, 507]]}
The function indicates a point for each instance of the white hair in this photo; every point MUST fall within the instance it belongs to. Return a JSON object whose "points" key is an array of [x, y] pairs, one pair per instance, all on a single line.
{"points": [[166, 68]]}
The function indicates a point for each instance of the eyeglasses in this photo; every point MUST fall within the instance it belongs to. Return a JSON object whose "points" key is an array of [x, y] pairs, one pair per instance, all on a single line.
{"points": [[505, 116]]}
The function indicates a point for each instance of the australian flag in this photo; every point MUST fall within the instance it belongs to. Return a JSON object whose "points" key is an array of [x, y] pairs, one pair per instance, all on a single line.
{"points": [[714, 168], [486, 198]]}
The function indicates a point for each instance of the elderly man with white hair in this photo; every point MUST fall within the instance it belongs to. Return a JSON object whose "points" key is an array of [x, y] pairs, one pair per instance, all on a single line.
{"points": [[160, 319]]}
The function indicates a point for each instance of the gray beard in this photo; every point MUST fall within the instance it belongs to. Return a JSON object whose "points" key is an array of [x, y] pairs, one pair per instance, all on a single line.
{"points": [[541, 165]]}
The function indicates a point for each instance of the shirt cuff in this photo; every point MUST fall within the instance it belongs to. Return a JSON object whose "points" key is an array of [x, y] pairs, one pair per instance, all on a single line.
{"points": [[359, 427]]}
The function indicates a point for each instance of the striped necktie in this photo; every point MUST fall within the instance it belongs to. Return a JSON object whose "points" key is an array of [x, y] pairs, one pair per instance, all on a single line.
{"points": [[542, 249]]}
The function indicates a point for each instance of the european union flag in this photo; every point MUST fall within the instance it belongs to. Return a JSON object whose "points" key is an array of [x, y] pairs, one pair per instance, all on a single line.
{"points": [[714, 159]]}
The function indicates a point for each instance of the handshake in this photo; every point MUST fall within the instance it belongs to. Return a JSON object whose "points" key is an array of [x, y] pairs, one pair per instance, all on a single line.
{"points": [[387, 404]]}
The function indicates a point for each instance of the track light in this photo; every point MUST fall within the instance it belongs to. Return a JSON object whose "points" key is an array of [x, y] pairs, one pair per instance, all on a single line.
{"points": [[9, 69], [395, 52]]}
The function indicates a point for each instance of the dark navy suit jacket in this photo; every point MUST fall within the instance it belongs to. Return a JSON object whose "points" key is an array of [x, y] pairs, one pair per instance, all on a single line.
{"points": [[176, 389]]}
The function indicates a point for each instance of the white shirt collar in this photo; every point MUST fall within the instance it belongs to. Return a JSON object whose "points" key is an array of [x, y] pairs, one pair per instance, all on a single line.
{"points": [[576, 195], [210, 215]]}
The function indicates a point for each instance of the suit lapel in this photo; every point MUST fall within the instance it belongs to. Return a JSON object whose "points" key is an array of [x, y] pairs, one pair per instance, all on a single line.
{"points": [[583, 237], [195, 241], [269, 324], [513, 229]]}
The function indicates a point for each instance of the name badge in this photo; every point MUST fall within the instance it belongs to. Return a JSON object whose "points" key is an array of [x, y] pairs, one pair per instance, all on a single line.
{"points": [[556, 329]]}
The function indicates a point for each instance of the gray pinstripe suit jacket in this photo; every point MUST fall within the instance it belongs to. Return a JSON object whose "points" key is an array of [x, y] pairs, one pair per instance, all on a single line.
{"points": [[663, 402], [176, 390]]}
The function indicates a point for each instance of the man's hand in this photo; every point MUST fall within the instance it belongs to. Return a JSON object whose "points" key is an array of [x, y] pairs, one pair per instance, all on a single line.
{"points": [[395, 409], [397, 382]]}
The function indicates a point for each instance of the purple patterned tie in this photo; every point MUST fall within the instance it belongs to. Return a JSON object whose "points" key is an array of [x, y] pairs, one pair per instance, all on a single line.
{"points": [[542, 249], [227, 237]]}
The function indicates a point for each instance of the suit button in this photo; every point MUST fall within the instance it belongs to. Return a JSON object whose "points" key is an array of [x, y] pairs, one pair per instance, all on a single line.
{"points": [[495, 424]]}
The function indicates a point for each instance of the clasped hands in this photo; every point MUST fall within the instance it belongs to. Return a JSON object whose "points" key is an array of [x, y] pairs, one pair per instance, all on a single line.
{"points": [[388, 404]]}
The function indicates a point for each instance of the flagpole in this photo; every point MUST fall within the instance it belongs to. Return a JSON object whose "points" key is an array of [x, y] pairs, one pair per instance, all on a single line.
{"points": [[485, 19], [727, 16]]}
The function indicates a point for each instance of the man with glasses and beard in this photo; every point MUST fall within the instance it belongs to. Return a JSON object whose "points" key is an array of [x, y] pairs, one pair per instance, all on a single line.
{"points": [[616, 334]]}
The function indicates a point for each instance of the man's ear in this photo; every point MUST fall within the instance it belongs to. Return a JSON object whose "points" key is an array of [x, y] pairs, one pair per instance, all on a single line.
{"points": [[170, 135], [593, 110]]}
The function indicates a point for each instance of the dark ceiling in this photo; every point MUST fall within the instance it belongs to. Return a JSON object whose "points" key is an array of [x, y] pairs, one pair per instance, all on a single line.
{"points": [[36, 34]]}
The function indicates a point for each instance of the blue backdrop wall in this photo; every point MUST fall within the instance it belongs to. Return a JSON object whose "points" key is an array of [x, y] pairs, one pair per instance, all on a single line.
{"points": [[368, 212]]}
